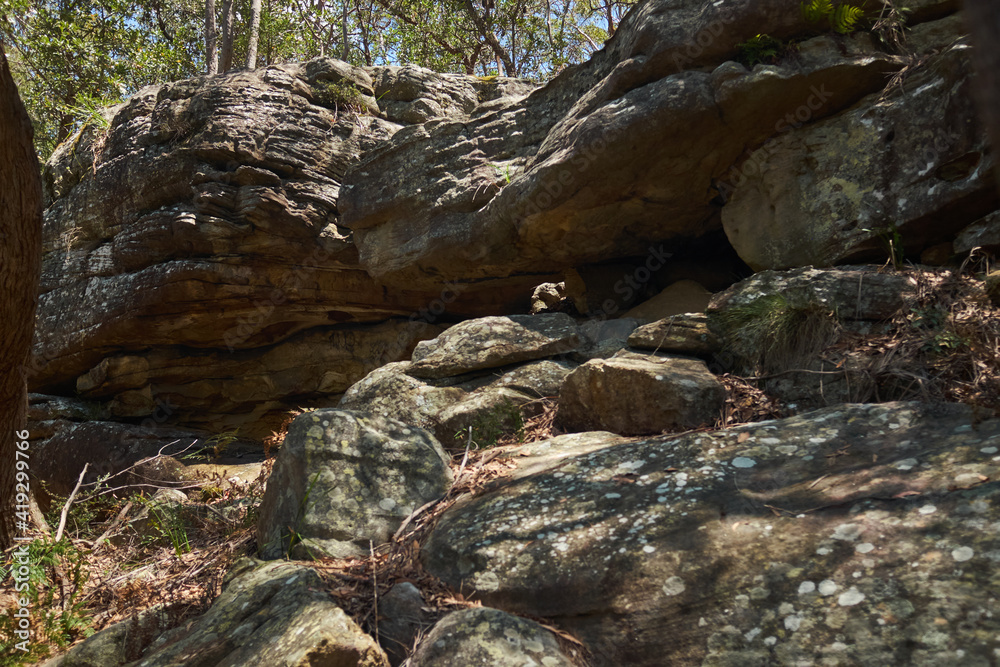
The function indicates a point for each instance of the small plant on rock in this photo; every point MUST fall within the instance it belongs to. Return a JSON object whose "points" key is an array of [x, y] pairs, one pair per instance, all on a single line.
{"points": [[843, 17], [760, 50]]}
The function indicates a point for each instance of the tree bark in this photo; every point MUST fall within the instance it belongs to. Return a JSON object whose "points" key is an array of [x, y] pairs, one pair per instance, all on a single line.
{"points": [[20, 266], [254, 34], [982, 18], [226, 55], [211, 39]]}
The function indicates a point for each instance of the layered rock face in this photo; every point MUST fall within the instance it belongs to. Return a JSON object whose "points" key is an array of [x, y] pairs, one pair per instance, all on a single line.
{"points": [[194, 258]]}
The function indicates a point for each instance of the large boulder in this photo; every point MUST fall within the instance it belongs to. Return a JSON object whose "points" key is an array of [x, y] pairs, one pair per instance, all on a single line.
{"points": [[481, 636], [345, 479], [858, 534], [268, 614], [640, 394], [490, 342], [447, 407], [815, 196]]}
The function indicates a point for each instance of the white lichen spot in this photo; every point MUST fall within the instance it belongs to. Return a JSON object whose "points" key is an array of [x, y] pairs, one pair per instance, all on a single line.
{"points": [[786, 608], [827, 587], [906, 464], [793, 622], [387, 504], [673, 586], [989, 450], [612, 496], [743, 462], [848, 532], [649, 549], [806, 587], [865, 547], [850, 597], [962, 554], [927, 509], [486, 581], [823, 551]]}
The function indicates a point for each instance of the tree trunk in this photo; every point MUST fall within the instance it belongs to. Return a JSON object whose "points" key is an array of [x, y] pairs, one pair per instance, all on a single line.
{"points": [[226, 56], [982, 18], [254, 34], [20, 265], [211, 39], [487, 34], [345, 48]]}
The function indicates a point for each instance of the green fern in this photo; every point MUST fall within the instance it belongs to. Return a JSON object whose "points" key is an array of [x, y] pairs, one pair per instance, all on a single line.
{"points": [[843, 17]]}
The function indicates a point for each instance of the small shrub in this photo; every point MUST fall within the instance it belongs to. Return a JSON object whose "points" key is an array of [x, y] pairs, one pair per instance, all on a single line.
{"points": [[340, 96], [760, 49], [504, 422]]}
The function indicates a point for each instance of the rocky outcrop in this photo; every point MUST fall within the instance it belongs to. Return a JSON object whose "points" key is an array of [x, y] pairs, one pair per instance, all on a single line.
{"points": [[194, 257], [855, 533], [343, 481], [584, 176]]}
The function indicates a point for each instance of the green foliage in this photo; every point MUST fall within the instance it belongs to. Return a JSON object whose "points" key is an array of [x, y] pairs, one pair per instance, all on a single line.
{"points": [[166, 521], [489, 428], [934, 322], [760, 49], [340, 96], [57, 573], [843, 17], [892, 243]]}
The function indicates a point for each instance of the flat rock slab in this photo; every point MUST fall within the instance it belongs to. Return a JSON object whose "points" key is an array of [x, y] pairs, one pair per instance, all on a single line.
{"points": [[268, 614], [344, 478], [481, 636], [489, 342], [687, 333], [635, 396], [861, 534]]}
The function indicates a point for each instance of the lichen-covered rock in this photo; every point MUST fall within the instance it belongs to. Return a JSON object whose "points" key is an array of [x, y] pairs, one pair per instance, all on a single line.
{"points": [[118, 644], [603, 338], [268, 614], [343, 478], [490, 342], [482, 636], [820, 195], [636, 396], [860, 534], [775, 320], [445, 407], [680, 334]]}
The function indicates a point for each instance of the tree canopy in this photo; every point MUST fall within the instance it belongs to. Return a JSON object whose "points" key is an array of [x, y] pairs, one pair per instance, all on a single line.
{"points": [[72, 57]]}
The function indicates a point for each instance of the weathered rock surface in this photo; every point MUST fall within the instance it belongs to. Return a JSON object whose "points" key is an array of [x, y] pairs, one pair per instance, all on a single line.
{"points": [[819, 195], [983, 234], [401, 620], [447, 406], [111, 448], [490, 342], [640, 396], [344, 478], [681, 334], [850, 535], [196, 243], [775, 319], [588, 177], [268, 614], [684, 296], [481, 636], [118, 644]]}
